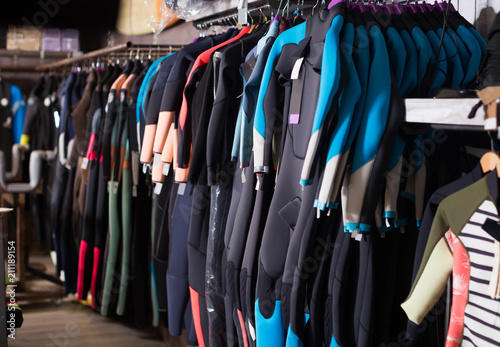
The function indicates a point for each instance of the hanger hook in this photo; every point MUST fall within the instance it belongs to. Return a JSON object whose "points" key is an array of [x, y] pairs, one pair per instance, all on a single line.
{"points": [[263, 15]]}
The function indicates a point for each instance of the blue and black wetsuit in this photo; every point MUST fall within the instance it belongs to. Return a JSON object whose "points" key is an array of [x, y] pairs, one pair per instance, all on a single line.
{"points": [[298, 121]]}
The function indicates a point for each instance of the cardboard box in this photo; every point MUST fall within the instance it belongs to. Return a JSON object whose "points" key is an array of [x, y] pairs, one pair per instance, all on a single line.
{"points": [[24, 38]]}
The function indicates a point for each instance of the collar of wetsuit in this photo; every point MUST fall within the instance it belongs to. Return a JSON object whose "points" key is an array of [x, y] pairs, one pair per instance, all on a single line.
{"points": [[137, 68], [129, 65], [408, 21]]}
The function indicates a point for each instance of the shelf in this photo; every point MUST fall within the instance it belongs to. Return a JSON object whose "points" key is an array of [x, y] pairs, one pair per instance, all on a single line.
{"points": [[451, 114], [35, 54]]}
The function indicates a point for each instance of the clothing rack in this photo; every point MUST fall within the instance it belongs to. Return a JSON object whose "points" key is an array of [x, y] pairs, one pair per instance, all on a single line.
{"points": [[230, 16], [122, 50], [127, 47]]}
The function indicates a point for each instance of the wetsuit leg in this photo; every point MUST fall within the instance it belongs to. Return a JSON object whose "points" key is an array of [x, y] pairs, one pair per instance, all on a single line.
{"points": [[88, 234], [189, 325], [141, 255], [112, 248], [197, 249], [68, 240], [160, 242], [126, 186], [236, 250], [363, 307], [318, 328], [385, 264], [57, 194], [341, 273], [230, 310], [250, 262], [219, 208], [101, 232], [177, 274], [283, 213]]}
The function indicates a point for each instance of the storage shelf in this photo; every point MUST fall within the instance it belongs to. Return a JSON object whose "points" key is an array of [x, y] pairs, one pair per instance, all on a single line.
{"points": [[34, 54], [451, 114]]}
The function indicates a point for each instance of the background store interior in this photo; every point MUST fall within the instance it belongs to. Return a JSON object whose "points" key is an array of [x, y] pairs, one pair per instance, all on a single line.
{"points": [[61, 321]]}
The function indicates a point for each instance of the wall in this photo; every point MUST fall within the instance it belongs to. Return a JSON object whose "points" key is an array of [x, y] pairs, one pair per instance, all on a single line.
{"points": [[479, 12]]}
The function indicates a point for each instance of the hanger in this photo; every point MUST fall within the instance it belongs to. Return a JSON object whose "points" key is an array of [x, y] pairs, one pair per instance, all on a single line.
{"points": [[263, 15], [315, 5], [333, 3]]}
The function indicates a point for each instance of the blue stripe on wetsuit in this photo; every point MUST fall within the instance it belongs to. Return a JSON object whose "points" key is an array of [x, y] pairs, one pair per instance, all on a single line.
{"points": [[266, 330], [455, 70], [372, 127], [409, 82], [425, 55], [480, 40], [18, 104], [361, 58], [463, 53], [473, 48], [261, 134], [397, 54], [440, 65], [329, 84], [347, 102]]}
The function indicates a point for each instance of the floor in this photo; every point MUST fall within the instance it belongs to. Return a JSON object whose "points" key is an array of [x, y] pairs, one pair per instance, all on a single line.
{"points": [[72, 324], [66, 322]]}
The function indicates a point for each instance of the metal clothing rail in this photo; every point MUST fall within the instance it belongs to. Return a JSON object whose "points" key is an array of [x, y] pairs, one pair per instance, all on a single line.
{"points": [[120, 48]]}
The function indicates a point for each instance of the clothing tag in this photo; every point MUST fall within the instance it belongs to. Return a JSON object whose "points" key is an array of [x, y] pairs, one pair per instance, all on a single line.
{"points": [[294, 118], [296, 68], [85, 163], [242, 16], [296, 99], [166, 169], [145, 168], [243, 178], [158, 187], [354, 233], [248, 66], [242, 12], [115, 188], [359, 237], [157, 159], [181, 189], [134, 191]]}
